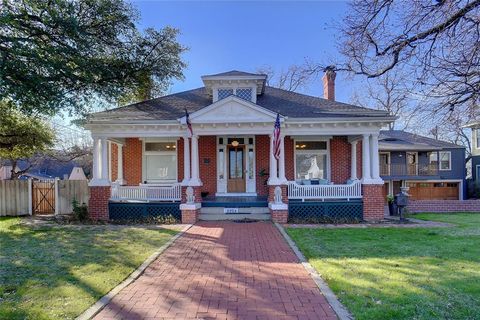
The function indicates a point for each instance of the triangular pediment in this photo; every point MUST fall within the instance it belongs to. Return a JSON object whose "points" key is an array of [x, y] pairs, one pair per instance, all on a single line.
{"points": [[232, 109]]}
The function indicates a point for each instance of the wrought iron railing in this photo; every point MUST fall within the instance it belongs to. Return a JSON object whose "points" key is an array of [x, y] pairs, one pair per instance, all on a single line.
{"points": [[325, 192], [146, 193], [398, 169]]}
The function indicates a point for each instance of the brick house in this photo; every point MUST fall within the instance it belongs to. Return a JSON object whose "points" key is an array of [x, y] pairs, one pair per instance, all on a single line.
{"points": [[147, 163]]}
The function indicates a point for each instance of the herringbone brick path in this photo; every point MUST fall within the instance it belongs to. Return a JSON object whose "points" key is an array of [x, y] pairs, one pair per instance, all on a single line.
{"points": [[223, 270]]}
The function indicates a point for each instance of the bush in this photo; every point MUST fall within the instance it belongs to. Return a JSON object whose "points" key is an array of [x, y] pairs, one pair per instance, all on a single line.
{"points": [[80, 211]]}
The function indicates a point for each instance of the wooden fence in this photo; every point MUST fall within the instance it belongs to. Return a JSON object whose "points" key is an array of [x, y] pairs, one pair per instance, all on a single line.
{"points": [[15, 197], [23, 197]]}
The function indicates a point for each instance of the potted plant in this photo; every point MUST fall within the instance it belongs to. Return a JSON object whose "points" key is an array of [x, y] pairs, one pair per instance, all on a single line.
{"points": [[391, 205]]}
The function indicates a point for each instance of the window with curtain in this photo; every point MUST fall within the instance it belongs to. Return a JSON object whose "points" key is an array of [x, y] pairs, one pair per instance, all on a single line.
{"points": [[160, 161], [311, 160]]}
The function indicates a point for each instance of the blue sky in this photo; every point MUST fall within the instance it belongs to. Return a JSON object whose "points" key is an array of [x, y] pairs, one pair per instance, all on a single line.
{"points": [[227, 35]]}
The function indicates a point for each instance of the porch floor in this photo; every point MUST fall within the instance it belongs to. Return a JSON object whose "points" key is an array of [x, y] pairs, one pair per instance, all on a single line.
{"points": [[235, 202]]}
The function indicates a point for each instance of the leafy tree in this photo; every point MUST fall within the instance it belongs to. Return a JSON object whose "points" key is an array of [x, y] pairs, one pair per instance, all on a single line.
{"points": [[22, 136], [64, 55]]}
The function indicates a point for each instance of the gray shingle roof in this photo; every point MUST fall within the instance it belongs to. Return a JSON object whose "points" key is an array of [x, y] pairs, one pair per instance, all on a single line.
{"points": [[287, 103], [403, 140]]}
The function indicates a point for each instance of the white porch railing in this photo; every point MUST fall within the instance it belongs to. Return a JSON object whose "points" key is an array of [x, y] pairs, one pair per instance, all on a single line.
{"points": [[323, 192], [146, 193]]}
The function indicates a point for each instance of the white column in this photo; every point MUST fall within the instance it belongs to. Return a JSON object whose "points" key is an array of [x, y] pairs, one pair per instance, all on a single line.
{"points": [[375, 158], [186, 160], [281, 161], [195, 180], [96, 159], [353, 166], [104, 157], [273, 179], [366, 159], [120, 179]]}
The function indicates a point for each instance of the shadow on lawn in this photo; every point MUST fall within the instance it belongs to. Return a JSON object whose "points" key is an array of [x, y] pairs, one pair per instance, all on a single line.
{"points": [[41, 267]]}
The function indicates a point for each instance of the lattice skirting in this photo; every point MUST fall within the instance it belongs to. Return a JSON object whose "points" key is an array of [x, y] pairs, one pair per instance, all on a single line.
{"points": [[325, 212], [139, 211]]}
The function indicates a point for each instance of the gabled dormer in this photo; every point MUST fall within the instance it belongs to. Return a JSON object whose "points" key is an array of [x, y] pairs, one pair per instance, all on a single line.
{"points": [[244, 85]]}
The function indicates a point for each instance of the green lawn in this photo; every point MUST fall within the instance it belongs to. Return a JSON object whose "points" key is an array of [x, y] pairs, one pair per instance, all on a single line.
{"points": [[397, 273], [58, 272]]}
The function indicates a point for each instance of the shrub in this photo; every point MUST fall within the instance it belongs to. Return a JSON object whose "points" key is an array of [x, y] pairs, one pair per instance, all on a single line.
{"points": [[80, 211]]}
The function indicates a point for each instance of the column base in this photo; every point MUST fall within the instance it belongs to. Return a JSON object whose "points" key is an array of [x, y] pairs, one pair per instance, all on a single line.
{"points": [[190, 213], [98, 203], [373, 202]]}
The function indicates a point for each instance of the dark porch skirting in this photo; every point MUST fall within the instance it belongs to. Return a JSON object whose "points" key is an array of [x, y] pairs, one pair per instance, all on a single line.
{"points": [[325, 211], [139, 211]]}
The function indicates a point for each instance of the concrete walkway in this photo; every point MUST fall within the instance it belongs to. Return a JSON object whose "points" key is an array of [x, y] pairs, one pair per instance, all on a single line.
{"points": [[223, 270]]}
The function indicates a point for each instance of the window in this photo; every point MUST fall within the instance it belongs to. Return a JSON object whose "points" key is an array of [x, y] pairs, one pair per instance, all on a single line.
{"points": [[433, 158], [244, 93], [223, 93], [311, 160], [477, 138], [445, 160], [160, 162]]}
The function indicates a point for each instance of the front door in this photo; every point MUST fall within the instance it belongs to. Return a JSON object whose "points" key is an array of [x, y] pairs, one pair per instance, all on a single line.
{"points": [[236, 168]]}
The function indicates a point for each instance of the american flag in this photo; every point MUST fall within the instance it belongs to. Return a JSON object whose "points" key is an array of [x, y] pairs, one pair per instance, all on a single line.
{"points": [[276, 138], [189, 124]]}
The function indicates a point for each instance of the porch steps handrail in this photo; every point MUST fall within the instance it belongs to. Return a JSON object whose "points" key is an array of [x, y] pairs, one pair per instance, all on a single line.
{"points": [[146, 193], [324, 192]]}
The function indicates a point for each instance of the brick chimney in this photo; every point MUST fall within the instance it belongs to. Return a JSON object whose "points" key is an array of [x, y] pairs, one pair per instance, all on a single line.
{"points": [[329, 83]]}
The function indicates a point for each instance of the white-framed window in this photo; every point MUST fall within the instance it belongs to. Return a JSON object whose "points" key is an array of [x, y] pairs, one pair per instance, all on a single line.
{"points": [[224, 93], [433, 158], [445, 160], [311, 160], [245, 93], [160, 161], [477, 142]]}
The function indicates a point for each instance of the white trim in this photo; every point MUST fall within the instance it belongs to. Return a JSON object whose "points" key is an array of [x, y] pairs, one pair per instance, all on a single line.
{"points": [[145, 153], [449, 160], [322, 151]]}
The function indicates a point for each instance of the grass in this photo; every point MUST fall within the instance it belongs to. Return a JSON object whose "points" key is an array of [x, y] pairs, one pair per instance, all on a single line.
{"points": [[57, 272], [401, 273]]}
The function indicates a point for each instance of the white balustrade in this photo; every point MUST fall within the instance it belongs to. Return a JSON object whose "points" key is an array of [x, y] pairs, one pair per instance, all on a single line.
{"points": [[324, 192], [146, 193]]}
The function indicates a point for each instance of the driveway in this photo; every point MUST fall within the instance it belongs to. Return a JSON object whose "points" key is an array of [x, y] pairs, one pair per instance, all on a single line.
{"points": [[223, 270]]}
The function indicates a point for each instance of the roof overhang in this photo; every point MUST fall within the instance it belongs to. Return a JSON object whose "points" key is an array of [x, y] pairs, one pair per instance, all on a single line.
{"points": [[399, 146]]}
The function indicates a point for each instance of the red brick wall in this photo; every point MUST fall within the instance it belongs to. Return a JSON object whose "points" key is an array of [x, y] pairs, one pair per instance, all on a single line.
{"points": [[132, 161], [340, 160], [444, 206], [98, 203], [359, 159], [207, 146], [180, 143], [289, 158], [373, 202], [262, 162], [114, 161]]}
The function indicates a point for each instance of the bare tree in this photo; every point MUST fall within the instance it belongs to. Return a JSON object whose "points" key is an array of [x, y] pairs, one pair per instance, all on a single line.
{"points": [[438, 41], [294, 78]]}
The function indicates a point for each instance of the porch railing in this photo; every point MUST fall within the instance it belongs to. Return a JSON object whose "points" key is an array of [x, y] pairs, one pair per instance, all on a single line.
{"points": [[408, 170], [146, 193], [324, 192]]}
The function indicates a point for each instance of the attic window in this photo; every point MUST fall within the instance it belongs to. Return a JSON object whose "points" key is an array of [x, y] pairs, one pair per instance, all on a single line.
{"points": [[244, 93], [223, 93]]}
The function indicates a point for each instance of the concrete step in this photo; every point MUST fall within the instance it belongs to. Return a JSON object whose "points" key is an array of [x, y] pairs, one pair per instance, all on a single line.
{"points": [[220, 210], [236, 216]]}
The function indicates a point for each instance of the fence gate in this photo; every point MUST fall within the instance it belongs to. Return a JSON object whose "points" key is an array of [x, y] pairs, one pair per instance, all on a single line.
{"points": [[43, 197]]}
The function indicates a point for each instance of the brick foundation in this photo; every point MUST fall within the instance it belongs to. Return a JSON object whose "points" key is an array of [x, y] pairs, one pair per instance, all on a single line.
{"points": [[279, 216], [444, 206], [190, 216], [373, 202], [98, 203]]}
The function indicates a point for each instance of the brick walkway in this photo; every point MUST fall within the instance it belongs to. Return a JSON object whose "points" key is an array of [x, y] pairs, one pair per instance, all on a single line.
{"points": [[223, 270]]}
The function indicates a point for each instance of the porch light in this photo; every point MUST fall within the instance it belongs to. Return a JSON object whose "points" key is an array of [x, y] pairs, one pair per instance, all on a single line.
{"points": [[235, 143]]}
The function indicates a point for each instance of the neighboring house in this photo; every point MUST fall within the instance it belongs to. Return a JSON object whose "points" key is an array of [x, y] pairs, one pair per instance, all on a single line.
{"points": [[475, 158], [43, 168], [432, 169], [328, 157]]}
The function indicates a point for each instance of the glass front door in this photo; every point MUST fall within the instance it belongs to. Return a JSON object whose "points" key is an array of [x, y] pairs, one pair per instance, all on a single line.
{"points": [[236, 168]]}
